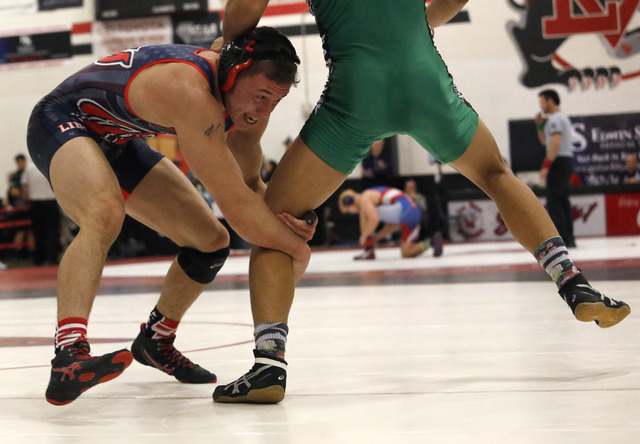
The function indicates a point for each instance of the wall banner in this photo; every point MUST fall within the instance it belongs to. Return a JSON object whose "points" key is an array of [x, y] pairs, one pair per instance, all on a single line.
{"points": [[479, 220], [116, 35], [623, 214], [601, 144], [10, 7], [545, 27], [50, 5], [121, 9], [199, 30], [30, 47]]}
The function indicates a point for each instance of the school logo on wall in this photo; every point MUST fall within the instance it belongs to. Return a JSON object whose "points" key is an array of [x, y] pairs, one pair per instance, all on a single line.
{"points": [[547, 26]]}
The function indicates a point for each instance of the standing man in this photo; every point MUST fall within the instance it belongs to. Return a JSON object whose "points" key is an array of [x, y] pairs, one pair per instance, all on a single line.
{"points": [[376, 167], [87, 137], [14, 196], [367, 44], [397, 211], [557, 168]]}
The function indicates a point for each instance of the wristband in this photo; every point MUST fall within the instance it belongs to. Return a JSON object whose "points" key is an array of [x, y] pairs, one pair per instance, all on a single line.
{"points": [[540, 126], [547, 163]]}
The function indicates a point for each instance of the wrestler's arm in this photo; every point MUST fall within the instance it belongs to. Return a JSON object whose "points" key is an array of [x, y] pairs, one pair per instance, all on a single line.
{"points": [[247, 150], [440, 12], [387, 230], [186, 104], [241, 16], [369, 218]]}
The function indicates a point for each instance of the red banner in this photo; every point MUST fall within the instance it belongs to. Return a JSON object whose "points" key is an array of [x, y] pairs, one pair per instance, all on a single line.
{"points": [[623, 214]]}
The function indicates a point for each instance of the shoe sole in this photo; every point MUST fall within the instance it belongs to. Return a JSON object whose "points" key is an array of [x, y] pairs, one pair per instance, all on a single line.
{"points": [[90, 379], [604, 316], [184, 381], [267, 395]]}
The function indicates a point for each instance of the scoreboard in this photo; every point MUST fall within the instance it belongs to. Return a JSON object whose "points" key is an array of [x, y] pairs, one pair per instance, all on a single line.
{"points": [[120, 9]]}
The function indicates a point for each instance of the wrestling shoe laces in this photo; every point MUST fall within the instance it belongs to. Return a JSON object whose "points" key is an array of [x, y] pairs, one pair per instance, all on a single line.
{"points": [[161, 354], [74, 371]]}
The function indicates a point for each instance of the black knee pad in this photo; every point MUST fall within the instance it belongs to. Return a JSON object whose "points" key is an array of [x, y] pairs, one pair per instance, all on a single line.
{"points": [[199, 266]]}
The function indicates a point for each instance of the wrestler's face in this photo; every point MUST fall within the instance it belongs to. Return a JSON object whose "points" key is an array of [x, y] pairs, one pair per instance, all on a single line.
{"points": [[353, 209], [253, 98]]}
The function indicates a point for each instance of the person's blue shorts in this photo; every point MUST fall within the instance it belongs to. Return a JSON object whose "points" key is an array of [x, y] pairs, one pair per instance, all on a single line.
{"points": [[52, 124]]}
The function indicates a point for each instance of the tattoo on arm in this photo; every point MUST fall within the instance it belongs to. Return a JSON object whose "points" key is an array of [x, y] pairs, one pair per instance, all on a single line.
{"points": [[211, 129]]}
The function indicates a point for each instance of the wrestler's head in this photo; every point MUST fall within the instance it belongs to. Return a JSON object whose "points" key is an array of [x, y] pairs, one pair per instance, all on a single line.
{"points": [[255, 72], [349, 202]]}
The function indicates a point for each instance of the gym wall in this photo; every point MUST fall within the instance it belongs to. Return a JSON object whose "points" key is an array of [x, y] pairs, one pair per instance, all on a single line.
{"points": [[479, 47]]}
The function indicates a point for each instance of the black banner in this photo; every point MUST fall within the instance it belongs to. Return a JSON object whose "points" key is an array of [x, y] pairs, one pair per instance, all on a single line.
{"points": [[199, 30], [35, 47], [50, 5], [119, 9], [600, 146]]}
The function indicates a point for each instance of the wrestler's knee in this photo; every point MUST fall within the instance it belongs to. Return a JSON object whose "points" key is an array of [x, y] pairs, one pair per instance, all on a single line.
{"points": [[496, 177], [200, 266], [104, 216], [211, 238]]}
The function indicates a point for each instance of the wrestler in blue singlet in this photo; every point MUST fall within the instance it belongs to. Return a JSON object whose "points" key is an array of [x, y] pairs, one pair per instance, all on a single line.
{"points": [[94, 103]]}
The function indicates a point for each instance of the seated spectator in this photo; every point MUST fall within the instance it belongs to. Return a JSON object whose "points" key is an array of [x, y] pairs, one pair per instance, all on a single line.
{"points": [[631, 173], [411, 190]]}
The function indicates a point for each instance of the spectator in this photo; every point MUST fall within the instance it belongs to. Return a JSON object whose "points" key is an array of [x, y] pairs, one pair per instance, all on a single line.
{"points": [[268, 167], [45, 216], [376, 166], [14, 196], [411, 190], [287, 142], [631, 173], [23, 237]]}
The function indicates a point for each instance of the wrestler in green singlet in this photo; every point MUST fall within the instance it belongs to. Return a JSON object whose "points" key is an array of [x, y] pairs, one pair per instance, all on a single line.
{"points": [[385, 77]]}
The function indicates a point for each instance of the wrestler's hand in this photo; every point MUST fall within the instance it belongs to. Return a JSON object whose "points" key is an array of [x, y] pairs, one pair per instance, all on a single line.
{"points": [[300, 227]]}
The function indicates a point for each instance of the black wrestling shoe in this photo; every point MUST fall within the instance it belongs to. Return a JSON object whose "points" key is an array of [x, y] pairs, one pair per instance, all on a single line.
{"points": [[588, 304], [161, 354], [265, 383], [74, 371]]}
